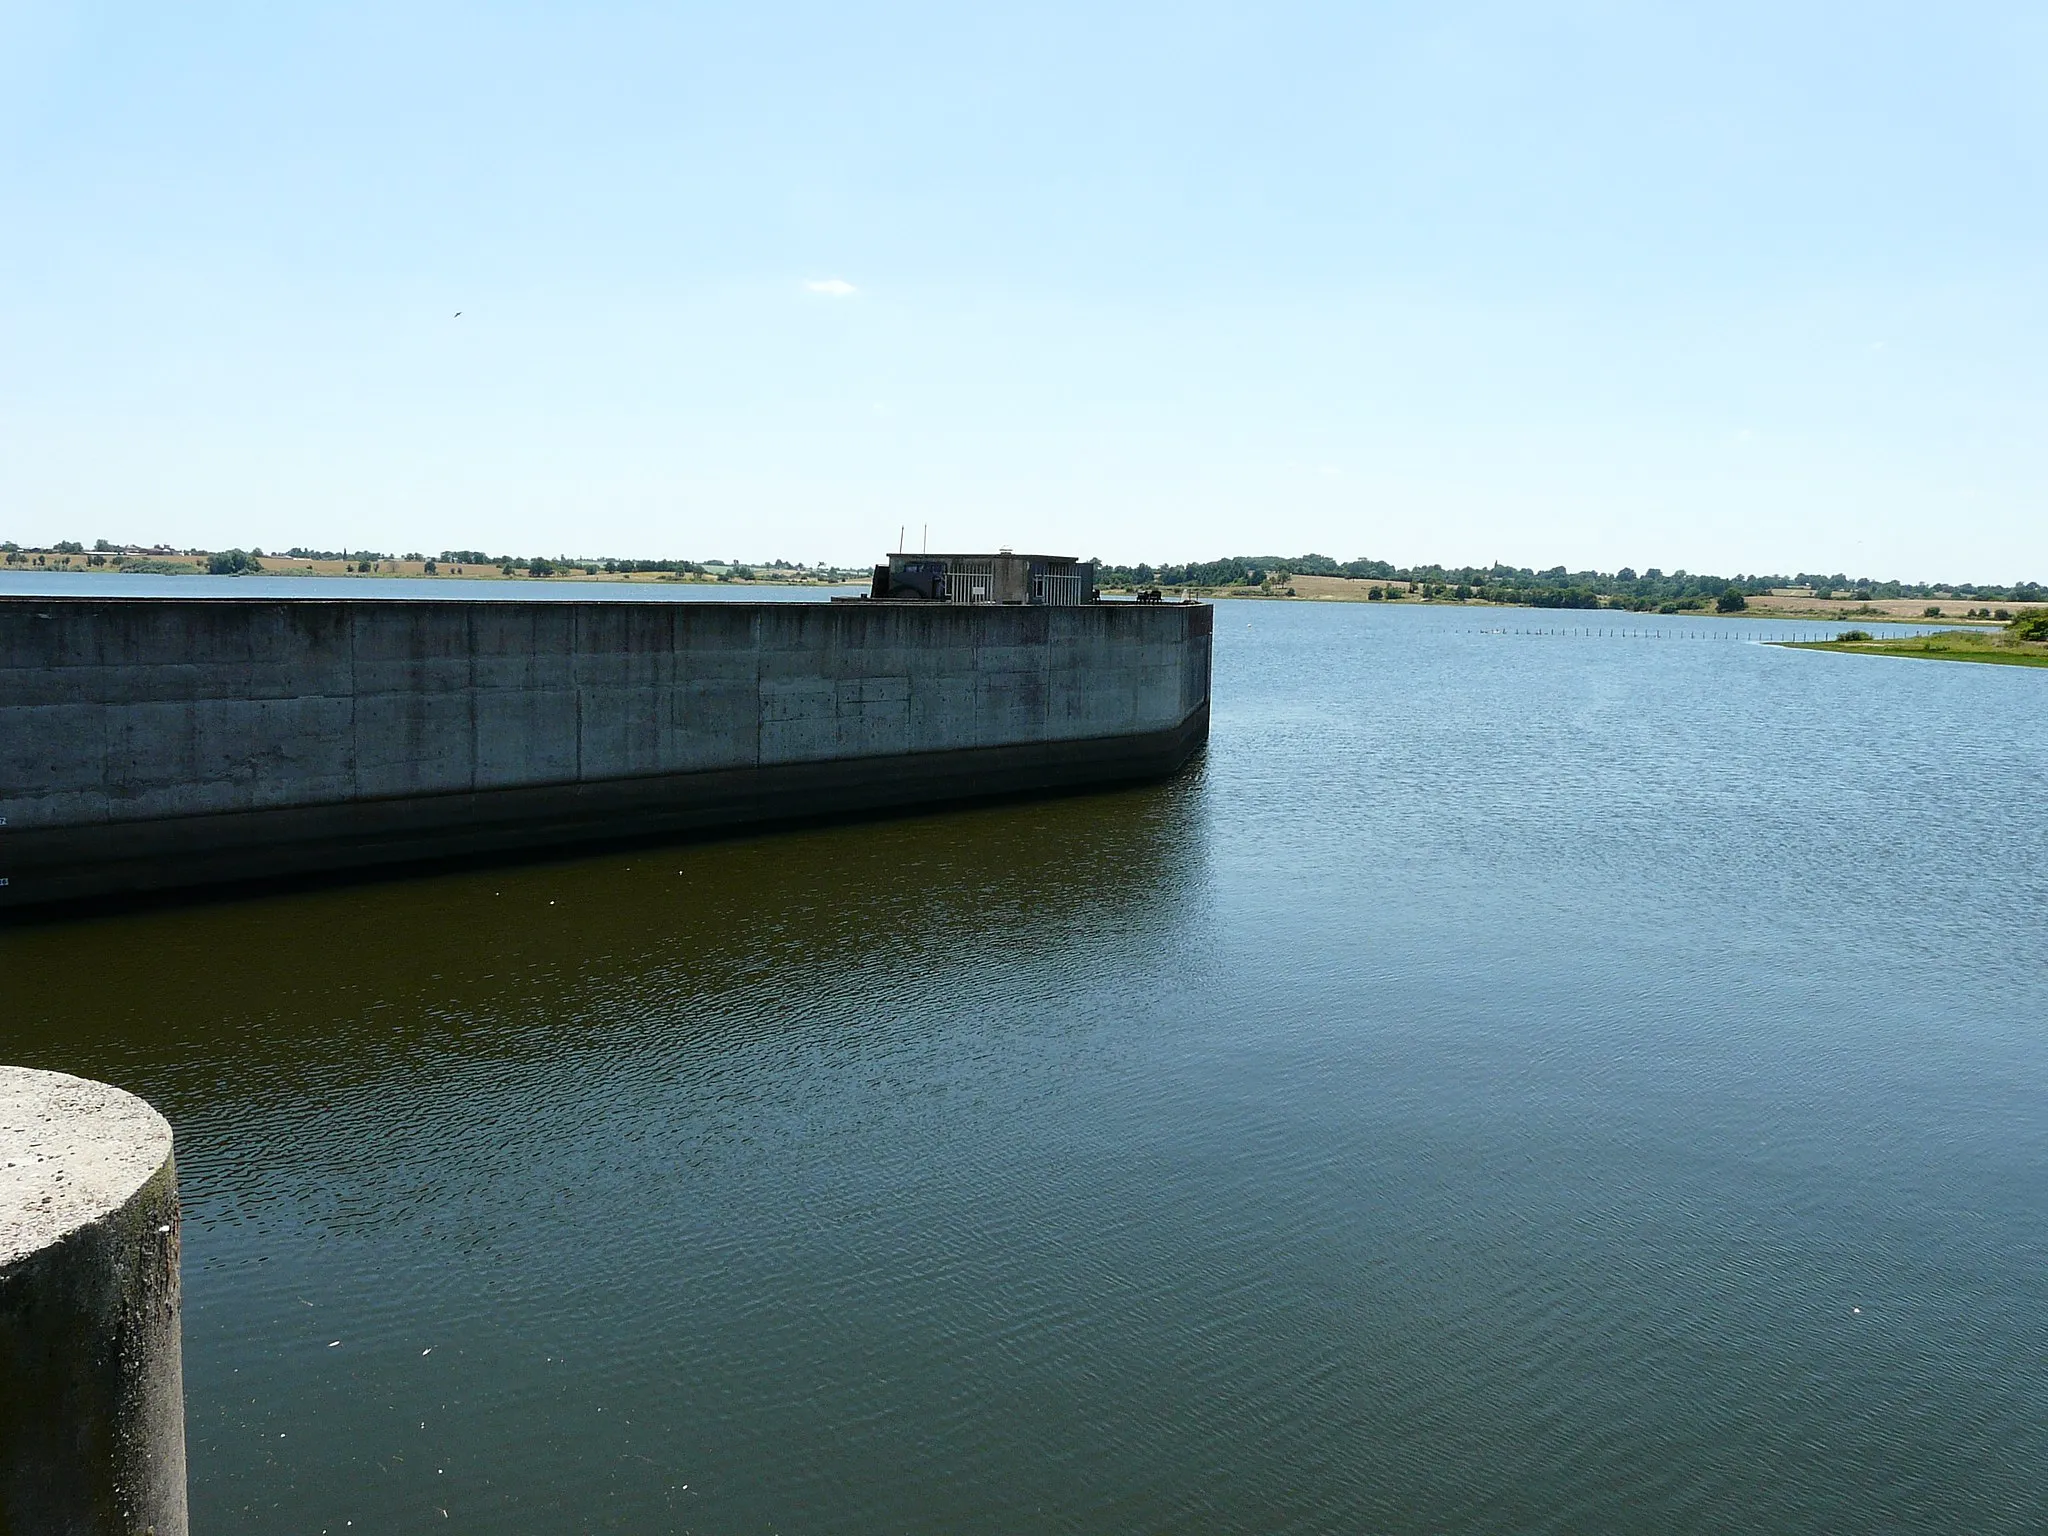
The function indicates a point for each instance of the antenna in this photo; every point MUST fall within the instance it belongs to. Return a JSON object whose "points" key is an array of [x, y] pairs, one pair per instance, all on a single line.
{"points": [[899, 539], [927, 539]]}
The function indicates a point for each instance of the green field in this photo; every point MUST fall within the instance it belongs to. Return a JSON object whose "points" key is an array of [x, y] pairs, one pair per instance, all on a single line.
{"points": [[1947, 645]]}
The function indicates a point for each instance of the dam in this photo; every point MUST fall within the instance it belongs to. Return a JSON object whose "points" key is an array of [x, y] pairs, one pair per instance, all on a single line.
{"points": [[154, 743]]}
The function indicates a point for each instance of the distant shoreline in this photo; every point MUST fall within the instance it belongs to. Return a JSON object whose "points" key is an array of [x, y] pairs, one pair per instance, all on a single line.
{"points": [[414, 570], [1343, 589], [1310, 589]]}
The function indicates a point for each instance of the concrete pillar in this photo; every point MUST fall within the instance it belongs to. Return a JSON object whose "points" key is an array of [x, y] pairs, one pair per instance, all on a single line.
{"points": [[92, 1398]]}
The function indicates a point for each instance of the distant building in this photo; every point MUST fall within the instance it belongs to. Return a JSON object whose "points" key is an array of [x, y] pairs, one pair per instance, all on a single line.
{"points": [[1056, 581]]}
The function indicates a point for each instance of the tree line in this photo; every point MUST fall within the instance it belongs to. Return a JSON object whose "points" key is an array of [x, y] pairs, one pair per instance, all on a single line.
{"points": [[1649, 590]]}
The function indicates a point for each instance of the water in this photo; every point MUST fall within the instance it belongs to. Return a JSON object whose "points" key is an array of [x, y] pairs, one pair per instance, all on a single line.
{"points": [[1518, 1082]]}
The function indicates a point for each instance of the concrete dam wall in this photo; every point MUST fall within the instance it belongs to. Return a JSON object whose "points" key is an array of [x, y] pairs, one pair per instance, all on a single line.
{"points": [[151, 743]]}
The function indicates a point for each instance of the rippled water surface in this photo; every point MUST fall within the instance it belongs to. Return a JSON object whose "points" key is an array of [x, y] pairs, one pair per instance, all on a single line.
{"points": [[1518, 1082]]}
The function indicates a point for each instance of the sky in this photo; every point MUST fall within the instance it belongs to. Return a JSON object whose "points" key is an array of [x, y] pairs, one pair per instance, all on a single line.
{"points": [[1725, 287]]}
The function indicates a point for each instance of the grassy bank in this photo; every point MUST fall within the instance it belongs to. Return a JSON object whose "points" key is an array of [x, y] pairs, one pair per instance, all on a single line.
{"points": [[1998, 648]]}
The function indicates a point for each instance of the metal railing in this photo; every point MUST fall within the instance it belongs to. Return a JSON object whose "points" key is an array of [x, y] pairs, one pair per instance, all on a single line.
{"points": [[1057, 591], [971, 581]]}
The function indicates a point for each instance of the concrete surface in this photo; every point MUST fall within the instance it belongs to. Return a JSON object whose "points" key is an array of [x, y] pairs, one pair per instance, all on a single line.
{"points": [[148, 743], [92, 1414]]}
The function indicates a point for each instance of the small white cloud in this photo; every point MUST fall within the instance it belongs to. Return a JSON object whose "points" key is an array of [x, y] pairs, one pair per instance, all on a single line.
{"points": [[836, 287]]}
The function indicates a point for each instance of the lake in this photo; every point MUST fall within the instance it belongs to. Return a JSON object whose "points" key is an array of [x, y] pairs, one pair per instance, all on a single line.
{"points": [[1538, 1073]]}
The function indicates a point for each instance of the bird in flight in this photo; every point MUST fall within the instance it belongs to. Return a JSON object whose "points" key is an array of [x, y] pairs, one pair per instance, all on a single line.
{"points": [[458, 314]]}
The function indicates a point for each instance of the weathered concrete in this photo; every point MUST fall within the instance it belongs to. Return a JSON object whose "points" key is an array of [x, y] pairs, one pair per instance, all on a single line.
{"points": [[154, 743], [92, 1414]]}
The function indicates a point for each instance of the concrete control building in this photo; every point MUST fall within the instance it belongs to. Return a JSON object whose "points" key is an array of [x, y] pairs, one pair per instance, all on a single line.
{"points": [[1039, 581], [148, 743]]}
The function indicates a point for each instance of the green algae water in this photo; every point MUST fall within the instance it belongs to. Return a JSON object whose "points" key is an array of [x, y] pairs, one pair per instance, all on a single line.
{"points": [[1517, 1082]]}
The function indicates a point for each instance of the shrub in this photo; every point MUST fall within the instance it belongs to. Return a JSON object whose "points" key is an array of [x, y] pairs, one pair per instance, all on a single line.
{"points": [[539, 566], [1731, 601], [1558, 597], [1930, 612], [232, 562], [2031, 626], [1853, 634]]}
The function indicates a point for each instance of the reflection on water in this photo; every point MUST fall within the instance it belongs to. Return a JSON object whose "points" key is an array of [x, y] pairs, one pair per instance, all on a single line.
{"points": [[1516, 1083], [569, 1126]]}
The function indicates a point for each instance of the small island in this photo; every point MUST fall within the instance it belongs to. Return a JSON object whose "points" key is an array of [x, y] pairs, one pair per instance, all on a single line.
{"points": [[2022, 643]]}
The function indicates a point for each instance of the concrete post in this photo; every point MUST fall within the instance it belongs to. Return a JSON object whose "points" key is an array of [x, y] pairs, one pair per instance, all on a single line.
{"points": [[92, 1410]]}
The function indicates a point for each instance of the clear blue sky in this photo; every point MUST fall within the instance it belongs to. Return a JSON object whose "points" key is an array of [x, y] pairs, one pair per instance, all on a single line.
{"points": [[1721, 286]]}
